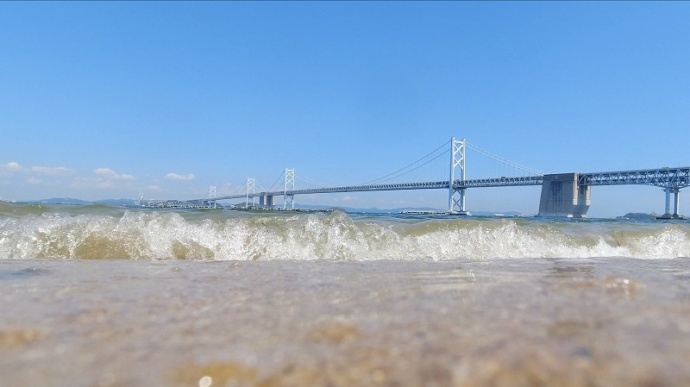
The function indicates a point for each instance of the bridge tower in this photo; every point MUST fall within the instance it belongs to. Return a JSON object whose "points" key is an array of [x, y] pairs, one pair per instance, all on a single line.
{"points": [[251, 189], [456, 196], [212, 195], [289, 186]]}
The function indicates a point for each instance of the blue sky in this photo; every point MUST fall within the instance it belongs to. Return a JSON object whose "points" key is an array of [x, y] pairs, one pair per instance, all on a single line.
{"points": [[107, 100]]}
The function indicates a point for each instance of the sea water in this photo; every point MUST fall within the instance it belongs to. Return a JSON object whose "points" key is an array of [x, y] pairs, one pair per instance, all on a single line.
{"points": [[104, 232], [109, 296]]}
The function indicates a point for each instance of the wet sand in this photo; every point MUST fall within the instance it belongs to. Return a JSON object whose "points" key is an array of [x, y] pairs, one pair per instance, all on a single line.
{"points": [[526, 322]]}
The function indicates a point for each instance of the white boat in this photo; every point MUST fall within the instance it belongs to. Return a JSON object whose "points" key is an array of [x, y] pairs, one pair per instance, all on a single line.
{"points": [[434, 212]]}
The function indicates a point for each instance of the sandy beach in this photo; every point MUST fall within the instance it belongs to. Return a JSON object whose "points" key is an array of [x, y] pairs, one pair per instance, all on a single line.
{"points": [[513, 322]]}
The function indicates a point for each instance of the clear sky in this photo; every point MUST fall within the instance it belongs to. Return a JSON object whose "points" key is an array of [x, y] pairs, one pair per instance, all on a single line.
{"points": [[117, 99]]}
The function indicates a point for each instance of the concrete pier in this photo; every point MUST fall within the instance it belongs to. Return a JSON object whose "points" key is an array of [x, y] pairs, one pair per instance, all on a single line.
{"points": [[266, 200], [676, 204], [561, 195]]}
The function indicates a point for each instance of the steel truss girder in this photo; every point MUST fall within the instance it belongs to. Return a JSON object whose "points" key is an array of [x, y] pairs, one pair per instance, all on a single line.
{"points": [[458, 184], [662, 177], [499, 182], [675, 178]]}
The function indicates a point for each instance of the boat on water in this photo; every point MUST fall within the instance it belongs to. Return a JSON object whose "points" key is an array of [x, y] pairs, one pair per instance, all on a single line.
{"points": [[434, 212]]}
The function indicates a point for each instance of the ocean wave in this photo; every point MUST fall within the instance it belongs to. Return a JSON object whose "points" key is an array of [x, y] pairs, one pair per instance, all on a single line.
{"points": [[107, 233]]}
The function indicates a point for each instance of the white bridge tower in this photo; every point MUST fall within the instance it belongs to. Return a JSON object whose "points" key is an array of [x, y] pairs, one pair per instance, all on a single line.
{"points": [[212, 195], [251, 189], [289, 186], [456, 196]]}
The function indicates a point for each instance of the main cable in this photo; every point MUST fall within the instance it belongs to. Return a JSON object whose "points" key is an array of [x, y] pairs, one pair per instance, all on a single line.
{"points": [[407, 166]]}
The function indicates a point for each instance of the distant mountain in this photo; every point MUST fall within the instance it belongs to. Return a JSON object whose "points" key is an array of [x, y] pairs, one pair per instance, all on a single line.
{"points": [[119, 202], [69, 201], [79, 202]]}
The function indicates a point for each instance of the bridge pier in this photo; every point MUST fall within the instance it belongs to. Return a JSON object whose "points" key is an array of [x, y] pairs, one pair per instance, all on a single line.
{"points": [[266, 200], [456, 201], [561, 195], [289, 202], [676, 203]]}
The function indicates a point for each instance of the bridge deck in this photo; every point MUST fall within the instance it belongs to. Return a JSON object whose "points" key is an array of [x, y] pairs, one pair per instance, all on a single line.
{"points": [[458, 184], [661, 177]]}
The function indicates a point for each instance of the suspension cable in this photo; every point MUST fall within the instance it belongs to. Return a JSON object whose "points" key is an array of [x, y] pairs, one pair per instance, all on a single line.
{"points": [[416, 168], [276, 182], [407, 166], [312, 182], [239, 189], [502, 160]]}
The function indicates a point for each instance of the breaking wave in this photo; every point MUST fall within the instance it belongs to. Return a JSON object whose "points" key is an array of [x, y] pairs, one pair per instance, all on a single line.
{"points": [[101, 232]]}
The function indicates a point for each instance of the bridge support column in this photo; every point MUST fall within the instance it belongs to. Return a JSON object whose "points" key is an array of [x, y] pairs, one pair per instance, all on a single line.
{"points": [[561, 195], [251, 189], [456, 196], [289, 200], [676, 203], [266, 200], [456, 201], [667, 206]]}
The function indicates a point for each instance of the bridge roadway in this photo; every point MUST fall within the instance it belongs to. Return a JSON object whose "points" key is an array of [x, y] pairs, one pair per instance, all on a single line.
{"points": [[672, 178], [661, 177], [458, 184]]}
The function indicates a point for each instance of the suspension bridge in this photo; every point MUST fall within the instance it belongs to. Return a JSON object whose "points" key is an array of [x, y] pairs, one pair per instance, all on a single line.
{"points": [[562, 194]]}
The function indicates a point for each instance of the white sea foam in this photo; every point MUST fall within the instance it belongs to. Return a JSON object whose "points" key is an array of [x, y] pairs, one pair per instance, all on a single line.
{"points": [[171, 235]]}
